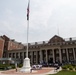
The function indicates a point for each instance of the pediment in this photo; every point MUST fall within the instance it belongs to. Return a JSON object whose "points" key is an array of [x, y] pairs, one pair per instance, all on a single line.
{"points": [[56, 39]]}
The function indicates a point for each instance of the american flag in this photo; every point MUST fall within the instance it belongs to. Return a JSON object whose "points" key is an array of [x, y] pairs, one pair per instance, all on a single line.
{"points": [[28, 12]]}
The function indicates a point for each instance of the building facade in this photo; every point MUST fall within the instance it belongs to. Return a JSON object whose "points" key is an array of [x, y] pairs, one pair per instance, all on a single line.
{"points": [[56, 50], [1, 47], [9, 44]]}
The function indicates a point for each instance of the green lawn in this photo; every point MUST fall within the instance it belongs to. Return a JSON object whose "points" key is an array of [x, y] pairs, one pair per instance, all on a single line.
{"points": [[65, 73]]}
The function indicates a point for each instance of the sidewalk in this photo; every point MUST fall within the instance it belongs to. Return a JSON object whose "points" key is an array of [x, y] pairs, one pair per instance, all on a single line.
{"points": [[43, 71]]}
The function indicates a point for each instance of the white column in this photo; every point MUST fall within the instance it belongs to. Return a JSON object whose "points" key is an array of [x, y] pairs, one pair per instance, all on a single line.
{"points": [[40, 55], [53, 56], [46, 56], [74, 54], [60, 55], [67, 54], [31, 57], [36, 57]]}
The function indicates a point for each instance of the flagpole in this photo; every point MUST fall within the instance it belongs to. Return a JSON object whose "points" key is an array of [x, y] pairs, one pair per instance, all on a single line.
{"points": [[26, 64], [27, 38], [27, 27]]}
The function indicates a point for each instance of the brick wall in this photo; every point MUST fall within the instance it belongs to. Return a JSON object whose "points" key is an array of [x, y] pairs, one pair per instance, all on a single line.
{"points": [[1, 47], [12, 45]]}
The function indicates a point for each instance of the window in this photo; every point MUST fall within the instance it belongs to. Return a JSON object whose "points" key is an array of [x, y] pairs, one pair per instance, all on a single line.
{"points": [[9, 54]]}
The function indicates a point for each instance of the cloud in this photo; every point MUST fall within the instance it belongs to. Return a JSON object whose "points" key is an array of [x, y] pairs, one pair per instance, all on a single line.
{"points": [[46, 17]]}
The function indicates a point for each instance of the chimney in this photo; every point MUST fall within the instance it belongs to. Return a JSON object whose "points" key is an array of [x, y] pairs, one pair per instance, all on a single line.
{"points": [[35, 43], [43, 42], [70, 39]]}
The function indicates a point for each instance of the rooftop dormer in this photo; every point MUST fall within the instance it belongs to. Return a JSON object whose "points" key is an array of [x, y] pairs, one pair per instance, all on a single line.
{"points": [[56, 39]]}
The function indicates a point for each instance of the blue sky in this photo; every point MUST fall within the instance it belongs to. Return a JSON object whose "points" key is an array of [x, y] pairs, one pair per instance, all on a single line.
{"points": [[47, 18]]}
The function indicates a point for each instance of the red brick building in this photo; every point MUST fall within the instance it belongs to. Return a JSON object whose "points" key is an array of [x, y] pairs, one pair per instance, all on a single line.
{"points": [[10, 44], [1, 47]]}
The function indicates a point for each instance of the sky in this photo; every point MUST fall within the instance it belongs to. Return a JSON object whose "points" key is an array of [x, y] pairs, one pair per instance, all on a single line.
{"points": [[47, 18]]}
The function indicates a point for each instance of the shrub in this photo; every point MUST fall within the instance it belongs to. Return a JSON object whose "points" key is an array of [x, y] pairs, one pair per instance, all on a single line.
{"points": [[7, 66], [75, 67], [64, 67], [20, 65], [4, 66], [71, 68], [13, 66], [69, 65]]}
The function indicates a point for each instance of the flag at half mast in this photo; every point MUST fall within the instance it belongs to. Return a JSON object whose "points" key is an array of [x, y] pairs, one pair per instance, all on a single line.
{"points": [[28, 12]]}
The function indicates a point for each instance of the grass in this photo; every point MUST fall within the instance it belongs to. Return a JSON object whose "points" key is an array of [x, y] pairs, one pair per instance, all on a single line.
{"points": [[65, 73]]}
